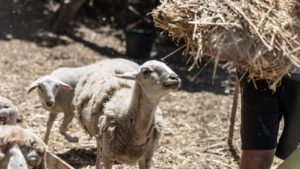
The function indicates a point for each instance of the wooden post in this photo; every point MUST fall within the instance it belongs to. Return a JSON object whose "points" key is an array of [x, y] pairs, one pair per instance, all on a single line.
{"points": [[233, 111], [54, 162]]}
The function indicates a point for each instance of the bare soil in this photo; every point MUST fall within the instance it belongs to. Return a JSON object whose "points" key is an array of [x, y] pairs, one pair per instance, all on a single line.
{"points": [[196, 117]]}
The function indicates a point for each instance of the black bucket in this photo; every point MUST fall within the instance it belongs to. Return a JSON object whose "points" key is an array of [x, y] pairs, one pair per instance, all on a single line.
{"points": [[139, 44]]}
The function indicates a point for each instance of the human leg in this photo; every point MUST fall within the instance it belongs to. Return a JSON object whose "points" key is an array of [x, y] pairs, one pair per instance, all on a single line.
{"points": [[260, 117], [290, 97], [256, 159]]}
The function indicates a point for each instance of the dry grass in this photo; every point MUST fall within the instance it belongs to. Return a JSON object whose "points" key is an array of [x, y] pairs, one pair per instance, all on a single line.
{"points": [[259, 36], [196, 124]]}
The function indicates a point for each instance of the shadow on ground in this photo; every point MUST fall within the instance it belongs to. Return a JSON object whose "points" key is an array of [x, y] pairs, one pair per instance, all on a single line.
{"points": [[80, 157], [29, 20]]}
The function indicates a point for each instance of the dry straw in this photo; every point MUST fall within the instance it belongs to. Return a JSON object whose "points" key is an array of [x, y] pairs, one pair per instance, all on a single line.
{"points": [[259, 36]]}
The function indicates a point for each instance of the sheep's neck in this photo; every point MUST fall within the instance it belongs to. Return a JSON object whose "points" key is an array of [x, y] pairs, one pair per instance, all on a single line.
{"points": [[142, 109]]}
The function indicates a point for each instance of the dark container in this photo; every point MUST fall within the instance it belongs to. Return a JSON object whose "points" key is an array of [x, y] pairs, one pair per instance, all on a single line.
{"points": [[139, 44]]}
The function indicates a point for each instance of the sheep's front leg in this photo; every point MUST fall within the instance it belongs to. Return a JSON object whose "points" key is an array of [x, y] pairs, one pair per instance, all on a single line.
{"points": [[52, 117], [145, 163], [68, 117], [107, 163], [99, 154]]}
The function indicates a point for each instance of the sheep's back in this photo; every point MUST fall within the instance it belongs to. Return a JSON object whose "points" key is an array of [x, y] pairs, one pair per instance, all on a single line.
{"points": [[71, 75]]}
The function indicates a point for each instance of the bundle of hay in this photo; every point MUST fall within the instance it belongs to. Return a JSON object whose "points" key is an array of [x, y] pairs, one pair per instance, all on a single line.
{"points": [[259, 36]]}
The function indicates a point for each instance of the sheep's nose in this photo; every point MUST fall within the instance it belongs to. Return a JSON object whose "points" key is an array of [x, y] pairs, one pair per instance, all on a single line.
{"points": [[173, 77], [50, 103]]}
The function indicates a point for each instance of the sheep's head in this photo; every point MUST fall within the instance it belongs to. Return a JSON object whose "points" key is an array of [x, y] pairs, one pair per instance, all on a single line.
{"points": [[8, 112], [20, 149], [8, 116], [155, 78], [47, 89]]}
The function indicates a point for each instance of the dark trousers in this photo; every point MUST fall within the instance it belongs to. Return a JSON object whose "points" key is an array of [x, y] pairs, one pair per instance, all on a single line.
{"points": [[262, 111]]}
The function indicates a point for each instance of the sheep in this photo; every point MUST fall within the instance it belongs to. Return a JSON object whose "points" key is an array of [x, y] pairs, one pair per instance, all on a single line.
{"points": [[8, 112], [120, 109], [20, 149], [56, 92]]}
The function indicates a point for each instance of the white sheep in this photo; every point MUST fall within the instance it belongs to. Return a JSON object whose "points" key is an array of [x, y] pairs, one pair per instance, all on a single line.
{"points": [[121, 110], [8, 112], [56, 92], [20, 149]]}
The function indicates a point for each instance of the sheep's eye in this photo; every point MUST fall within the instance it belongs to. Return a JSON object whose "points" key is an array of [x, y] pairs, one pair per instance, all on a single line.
{"points": [[40, 88], [146, 72], [5, 106]]}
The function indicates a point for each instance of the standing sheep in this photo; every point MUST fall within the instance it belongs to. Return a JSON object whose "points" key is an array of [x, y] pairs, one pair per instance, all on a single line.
{"points": [[56, 92], [8, 112], [121, 110]]}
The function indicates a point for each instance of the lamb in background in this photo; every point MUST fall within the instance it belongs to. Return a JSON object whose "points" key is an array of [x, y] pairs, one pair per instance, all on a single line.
{"points": [[20, 149], [122, 111], [8, 112], [56, 92]]}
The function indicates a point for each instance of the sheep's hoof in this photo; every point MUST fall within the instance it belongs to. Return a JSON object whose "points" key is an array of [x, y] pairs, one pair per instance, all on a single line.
{"points": [[72, 139]]}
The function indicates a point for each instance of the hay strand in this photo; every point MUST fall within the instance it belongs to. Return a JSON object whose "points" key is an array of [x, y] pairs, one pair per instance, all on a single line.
{"points": [[259, 36]]}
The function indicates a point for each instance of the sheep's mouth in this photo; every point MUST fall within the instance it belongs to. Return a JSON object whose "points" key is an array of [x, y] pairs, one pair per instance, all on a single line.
{"points": [[172, 84], [48, 107], [3, 119]]}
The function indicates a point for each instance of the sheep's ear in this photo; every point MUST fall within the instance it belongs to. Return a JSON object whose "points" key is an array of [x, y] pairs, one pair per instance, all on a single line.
{"points": [[127, 75], [65, 86], [33, 86]]}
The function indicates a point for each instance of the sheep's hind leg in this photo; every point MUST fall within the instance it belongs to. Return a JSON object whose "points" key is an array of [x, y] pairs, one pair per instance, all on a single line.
{"points": [[52, 117], [64, 126]]}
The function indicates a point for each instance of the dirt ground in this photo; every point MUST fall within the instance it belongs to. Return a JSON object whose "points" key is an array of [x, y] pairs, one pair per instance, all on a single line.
{"points": [[196, 117]]}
